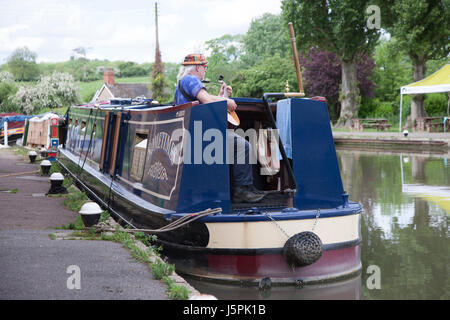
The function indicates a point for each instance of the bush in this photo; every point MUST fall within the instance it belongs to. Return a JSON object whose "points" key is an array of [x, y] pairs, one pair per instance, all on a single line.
{"points": [[367, 107], [436, 104], [27, 99], [7, 92], [54, 91], [6, 76], [268, 76], [384, 110]]}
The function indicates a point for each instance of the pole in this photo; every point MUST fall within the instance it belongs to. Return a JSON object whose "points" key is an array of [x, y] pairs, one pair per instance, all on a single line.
{"points": [[296, 62], [5, 133], [400, 121]]}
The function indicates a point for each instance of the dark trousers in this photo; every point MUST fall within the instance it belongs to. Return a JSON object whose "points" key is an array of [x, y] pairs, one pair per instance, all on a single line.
{"points": [[242, 167]]}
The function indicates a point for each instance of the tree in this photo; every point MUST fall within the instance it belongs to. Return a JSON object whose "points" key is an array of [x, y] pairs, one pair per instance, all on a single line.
{"points": [[422, 30], [266, 37], [224, 59], [56, 90], [268, 76], [7, 90], [337, 26], [131, 69], [158, 81], [81, 51], [22, 64], [392, 72], [322, 76]]}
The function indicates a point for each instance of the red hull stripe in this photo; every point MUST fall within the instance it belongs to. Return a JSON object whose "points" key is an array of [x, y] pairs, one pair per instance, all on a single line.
{"points": [[333, 263]]}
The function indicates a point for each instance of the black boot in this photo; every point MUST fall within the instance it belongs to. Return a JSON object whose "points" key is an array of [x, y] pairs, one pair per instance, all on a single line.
{"points": [[246, 194]]}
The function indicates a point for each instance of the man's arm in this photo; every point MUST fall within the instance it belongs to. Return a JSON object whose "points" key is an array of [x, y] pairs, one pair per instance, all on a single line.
{"points": [[204, 97]]}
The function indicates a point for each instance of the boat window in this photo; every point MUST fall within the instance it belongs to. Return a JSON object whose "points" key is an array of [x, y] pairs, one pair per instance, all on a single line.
{"points": [[139, 151]]}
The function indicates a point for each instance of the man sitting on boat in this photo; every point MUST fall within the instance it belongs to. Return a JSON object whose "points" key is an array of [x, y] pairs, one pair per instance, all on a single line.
{"points": [[190, 88]]}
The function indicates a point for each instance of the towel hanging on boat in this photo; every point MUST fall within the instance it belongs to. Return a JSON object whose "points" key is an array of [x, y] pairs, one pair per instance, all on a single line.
{"points": [[284, 126]]}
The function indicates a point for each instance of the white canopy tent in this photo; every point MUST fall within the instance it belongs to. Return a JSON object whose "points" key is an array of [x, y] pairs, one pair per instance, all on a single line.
{"points": [[435, 83]]}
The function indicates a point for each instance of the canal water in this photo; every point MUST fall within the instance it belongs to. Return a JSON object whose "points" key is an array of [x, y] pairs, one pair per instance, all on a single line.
{"points": [[405, 249]]}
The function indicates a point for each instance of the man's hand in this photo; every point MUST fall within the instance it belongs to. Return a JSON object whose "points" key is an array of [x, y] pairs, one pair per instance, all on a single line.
{"points": [[231, 105], [225, 91], [204, 97]]}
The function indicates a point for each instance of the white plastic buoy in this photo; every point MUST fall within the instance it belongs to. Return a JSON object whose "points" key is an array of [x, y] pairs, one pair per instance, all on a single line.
{"points": [[45, 167], [90, 213], [32, 155], [405, 133]]}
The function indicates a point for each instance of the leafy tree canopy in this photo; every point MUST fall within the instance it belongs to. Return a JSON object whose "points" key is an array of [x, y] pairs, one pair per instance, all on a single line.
{"points": [[266, 37], [337, 26], [268, 76], [22, 64], [420, 28]]}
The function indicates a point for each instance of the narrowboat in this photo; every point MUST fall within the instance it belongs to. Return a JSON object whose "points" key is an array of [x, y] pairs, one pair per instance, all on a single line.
{"points": [[163, 168], [15, 123]]}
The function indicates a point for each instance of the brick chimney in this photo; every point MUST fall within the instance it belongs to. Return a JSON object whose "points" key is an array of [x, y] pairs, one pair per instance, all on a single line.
{"points": [[108, 77]]}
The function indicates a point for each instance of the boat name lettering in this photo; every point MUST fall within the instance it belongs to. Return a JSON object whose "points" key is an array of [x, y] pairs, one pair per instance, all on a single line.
{"points": [[162, 140], [157, 171]]}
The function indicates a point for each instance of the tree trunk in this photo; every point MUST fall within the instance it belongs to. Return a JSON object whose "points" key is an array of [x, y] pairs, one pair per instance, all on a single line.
{"points": [[349, 97], [418, 100]]}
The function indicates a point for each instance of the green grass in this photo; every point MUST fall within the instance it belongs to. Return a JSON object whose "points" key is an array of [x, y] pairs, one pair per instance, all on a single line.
{"points": [[176, 291], [75, 199], [77, 225], [161, 269]]}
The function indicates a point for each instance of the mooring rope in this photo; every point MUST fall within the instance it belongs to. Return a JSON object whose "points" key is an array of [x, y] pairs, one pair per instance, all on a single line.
{"points": [[19, 173], [103, 227]]}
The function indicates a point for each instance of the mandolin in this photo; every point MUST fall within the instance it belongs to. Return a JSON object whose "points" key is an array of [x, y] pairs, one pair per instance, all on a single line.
{"points": [[232, 116]]}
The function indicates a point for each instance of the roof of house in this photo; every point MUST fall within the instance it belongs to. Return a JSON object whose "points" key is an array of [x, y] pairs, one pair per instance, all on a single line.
{"points": [[130, 90], [125, 90]]}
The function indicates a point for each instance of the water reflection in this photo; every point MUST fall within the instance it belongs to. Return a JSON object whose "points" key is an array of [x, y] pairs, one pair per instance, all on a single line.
{"points": [[405, 221], [349, 289], [404, 230]]}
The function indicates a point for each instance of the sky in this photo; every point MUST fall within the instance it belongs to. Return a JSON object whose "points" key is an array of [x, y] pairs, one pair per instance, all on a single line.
{"points": [[122, 30]]}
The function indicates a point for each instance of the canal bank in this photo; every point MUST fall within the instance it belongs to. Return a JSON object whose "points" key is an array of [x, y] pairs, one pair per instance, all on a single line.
{"points": [[413, 141], [37, 263]]}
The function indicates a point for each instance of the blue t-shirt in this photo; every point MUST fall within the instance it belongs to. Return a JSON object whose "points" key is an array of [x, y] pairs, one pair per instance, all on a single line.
{"points": [[191, 85]]}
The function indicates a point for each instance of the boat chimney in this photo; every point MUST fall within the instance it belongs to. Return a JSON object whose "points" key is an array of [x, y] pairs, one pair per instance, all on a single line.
{"points": [[108, 76]]}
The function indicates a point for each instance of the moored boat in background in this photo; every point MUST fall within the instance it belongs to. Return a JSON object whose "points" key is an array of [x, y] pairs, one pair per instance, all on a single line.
{"points": [[15, 123]]}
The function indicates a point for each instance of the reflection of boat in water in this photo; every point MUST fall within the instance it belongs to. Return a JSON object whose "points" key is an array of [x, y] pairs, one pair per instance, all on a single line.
{"points": [[348, 289], [162, 167]]}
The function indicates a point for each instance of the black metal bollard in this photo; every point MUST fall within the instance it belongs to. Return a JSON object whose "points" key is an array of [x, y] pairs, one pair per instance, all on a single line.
{"points": [[45, 167], [90, 213], [32, 155], [56, 181]]}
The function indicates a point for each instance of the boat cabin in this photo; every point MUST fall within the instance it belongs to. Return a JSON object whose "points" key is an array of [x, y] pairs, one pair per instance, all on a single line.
{"points": [[174, 156]]}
